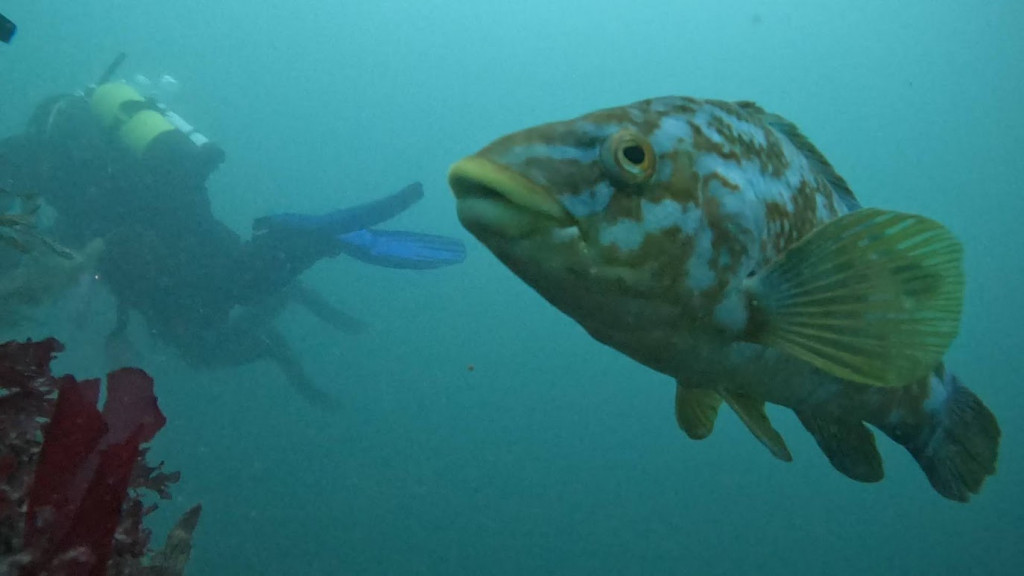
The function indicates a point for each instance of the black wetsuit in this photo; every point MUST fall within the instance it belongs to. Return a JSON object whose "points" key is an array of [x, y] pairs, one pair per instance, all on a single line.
{"points": [[166, 255]]}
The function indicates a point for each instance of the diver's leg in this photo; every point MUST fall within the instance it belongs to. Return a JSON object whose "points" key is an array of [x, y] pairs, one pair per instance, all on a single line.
{"points": [[343, 220], [286, 245], [274, 263], [278, 350], [324, 310], [271, 264], [250, 337]]}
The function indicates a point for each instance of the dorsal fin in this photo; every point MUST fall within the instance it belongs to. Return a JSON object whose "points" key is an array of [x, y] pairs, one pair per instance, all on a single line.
{"points": [[751, 412], [814, 157], [696, 410]]}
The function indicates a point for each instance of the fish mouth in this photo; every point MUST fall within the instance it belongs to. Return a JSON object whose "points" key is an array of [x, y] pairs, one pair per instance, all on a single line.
{"points": [[493, 199]]}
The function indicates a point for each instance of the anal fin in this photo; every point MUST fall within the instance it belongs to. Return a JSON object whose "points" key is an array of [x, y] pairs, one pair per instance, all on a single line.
{"points": [[849, 446], [751, 412], [696, 410]]}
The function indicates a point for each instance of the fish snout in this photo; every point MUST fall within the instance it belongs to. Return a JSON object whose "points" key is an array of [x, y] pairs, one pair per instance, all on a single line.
{"points": [[493, 199]]}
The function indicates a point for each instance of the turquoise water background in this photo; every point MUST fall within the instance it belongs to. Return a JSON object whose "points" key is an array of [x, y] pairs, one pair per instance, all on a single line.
{"points": [[554, 455]]}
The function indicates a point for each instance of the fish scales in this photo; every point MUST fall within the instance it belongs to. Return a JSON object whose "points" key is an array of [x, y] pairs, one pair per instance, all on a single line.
{"points": [[712, 242]]}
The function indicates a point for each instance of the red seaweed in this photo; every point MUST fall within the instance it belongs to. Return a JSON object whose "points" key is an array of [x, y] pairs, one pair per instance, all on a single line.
{"points": [[75, 430], [72, 477]]}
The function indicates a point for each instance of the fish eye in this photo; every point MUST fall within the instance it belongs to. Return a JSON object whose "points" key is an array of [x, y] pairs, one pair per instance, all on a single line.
{"points": [[634, 153], [628, 158]]}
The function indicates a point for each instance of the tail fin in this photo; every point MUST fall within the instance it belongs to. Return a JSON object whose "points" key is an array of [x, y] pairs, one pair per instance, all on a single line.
{"points": [[960, 447]]}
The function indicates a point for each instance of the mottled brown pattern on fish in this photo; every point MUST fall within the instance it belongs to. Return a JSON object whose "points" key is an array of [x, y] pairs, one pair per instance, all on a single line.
{"points": [[727, 250], [746, 148], [702, 144], [670, 287], [787, 227], [666, 278], [771, 157], [622, 207], [683, 186], [646, 124], [780, 233], [774, 154], [804, 217]]}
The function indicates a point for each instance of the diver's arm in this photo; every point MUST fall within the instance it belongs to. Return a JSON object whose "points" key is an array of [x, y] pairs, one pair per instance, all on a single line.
{"points": [[281, 353]]}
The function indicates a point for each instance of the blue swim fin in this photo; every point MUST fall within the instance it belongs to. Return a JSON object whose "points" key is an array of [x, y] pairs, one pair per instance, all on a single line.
{"points": [[345, 220], [404, 250]]}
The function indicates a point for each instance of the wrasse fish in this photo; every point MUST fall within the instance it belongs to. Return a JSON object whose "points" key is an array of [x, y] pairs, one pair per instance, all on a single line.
{"points": [[712, 242]]}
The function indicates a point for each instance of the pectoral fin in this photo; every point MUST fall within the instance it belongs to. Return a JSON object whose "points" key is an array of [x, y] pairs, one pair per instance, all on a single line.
{"points": [[751, 412], [849, 446], [696, 410], [872, 297]]}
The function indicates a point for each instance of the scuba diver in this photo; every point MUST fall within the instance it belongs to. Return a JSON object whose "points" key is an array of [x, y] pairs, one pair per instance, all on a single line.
{"points": [[120, 167]]}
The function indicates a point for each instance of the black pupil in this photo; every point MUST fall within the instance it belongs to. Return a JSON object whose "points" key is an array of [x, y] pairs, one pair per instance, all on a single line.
{"points": [[634, 154]]}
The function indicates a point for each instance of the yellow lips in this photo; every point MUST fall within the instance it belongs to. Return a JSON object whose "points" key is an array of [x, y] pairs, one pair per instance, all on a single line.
{"points": [[493, 199]]}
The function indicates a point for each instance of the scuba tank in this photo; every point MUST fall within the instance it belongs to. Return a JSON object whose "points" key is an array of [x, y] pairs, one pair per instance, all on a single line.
{"points": [[154, 134]]}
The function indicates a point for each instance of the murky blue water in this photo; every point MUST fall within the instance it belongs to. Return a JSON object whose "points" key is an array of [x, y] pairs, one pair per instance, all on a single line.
{"points": [[555, 455]]}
